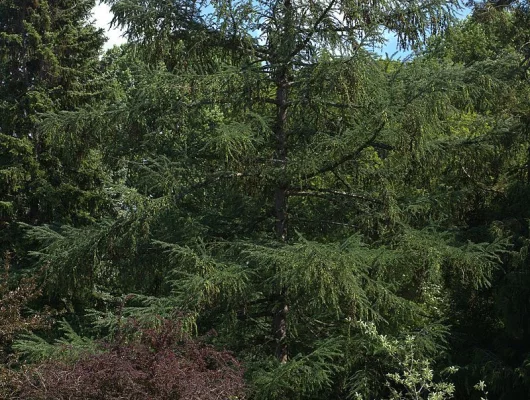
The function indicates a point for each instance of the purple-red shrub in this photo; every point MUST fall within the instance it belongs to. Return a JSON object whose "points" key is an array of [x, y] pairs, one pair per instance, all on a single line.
{"points": [[13, 304], [14, 319], [154, 364]]}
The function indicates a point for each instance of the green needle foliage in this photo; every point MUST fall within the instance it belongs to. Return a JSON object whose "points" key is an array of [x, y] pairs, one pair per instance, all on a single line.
{"points": [[48, 62], [349, 226]]}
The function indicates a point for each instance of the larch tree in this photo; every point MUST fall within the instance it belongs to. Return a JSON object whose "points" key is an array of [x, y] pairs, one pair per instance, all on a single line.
{"points": [[279, 42]]}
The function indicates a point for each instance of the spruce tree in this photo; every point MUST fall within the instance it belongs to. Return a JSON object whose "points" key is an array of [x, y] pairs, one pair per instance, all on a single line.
{"points": [[48, 62]]}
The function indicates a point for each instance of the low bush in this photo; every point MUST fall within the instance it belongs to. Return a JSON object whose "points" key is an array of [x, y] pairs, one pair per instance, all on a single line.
{"points": [[157, 363]]}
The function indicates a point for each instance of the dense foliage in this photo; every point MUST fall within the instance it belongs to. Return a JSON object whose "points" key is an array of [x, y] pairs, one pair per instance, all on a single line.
{"points": [[156, 363], [248, 187], [48, 63]]}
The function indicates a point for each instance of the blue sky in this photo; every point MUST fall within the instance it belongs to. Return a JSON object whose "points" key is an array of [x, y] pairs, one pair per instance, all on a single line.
{"points": [[102, 17]]}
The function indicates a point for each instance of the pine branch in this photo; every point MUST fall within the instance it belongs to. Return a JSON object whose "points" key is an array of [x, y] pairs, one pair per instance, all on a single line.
{"points": [[332, 166], [215, 177], [328, 193], [309, 36], [322, 221], [243, 316]]}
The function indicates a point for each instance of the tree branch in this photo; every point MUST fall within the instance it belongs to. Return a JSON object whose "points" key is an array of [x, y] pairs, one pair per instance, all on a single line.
{"points": [[210, 179], [314, 30], [332, 166], [327, 193]]}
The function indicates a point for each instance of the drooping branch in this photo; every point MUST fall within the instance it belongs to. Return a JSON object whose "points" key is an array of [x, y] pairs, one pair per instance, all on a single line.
{"points": [[330, 193], [348, 157], [215, 177]]}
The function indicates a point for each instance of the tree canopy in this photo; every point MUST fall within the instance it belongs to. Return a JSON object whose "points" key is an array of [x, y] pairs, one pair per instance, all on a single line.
{"points": [[249, 192]]}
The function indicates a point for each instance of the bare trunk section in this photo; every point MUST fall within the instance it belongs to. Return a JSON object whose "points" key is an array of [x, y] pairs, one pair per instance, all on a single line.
{"points": [[279, 323], [528, 165], [280, 195], [280, 332]]}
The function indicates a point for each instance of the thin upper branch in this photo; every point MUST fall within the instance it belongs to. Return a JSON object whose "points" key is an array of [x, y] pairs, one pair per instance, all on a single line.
{"points": [[329, 193], [314, 30], [348, 157]]}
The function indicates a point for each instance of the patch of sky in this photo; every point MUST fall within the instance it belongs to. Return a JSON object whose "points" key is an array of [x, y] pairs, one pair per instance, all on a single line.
{"points": [[103, 17], [391, 49]]}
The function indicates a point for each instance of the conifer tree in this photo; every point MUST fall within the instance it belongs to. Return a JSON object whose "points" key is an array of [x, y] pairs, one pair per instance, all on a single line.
{"points": [[280, 46], [267, 172], [488, 165], [48, 62]]}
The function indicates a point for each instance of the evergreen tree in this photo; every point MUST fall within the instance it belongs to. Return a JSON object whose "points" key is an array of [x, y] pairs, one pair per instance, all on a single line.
{"points": [[327, 212], [280, 48], [48, 62], [489, 167]]}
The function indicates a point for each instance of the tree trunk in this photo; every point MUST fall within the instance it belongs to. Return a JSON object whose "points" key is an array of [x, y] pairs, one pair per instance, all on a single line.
{"points": [[528, 166], [279, 324]]}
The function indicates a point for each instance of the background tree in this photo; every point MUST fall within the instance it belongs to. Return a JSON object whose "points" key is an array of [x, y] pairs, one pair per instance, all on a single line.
{"points": [[490, 148], [48, 62]]}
